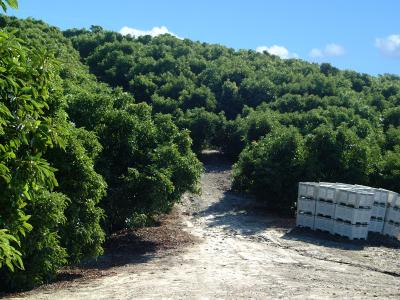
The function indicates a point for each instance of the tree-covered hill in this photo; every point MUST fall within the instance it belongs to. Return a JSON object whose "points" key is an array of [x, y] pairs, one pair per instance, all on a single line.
{"points": [[346, 123], [108, 126]]}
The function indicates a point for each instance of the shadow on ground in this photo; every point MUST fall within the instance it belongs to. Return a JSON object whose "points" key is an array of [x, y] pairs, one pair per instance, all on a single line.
{"points": [[332, 241], [243, 215], [131, 246], [124, 247]]}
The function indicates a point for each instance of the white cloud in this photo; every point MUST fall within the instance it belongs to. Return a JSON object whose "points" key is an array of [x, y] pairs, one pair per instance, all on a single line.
{"points": [[153, 32], [330, 50], [280, 51], [389, 46], [315, 52], [334, 50]]}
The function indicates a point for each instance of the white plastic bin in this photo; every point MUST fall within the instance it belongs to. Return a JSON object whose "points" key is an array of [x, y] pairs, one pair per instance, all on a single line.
{"points": [[326, 192], [355, 198], [306, 205], [353, 215], [378, 211], [325, 208], [381, 196], [305, 220], [351, 231], [341, 194], [396, 201], [392, 229], [393, 214], [376, 225], [364, 199], [391, 196], [324, 224], [308, 189]]}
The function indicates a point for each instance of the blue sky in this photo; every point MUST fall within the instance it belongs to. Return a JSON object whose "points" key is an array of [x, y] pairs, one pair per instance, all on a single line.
{"points": [[353, 34]]}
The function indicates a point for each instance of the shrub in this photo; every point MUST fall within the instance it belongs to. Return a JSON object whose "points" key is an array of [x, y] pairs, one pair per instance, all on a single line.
{"points": [[81, 235], [339, 156], [270, 168], [147, 162], [41, 249]]}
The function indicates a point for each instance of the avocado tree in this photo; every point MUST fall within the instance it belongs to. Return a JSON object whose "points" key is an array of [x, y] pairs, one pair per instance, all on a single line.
{"points": [[26, 131]]}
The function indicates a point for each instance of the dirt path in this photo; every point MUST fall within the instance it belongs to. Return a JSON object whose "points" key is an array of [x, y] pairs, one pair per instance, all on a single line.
{"points": [[244, 253]]}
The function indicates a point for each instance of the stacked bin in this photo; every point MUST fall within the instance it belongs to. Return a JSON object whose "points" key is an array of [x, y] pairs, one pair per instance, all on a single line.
{"points": [[348, 210], [379, 209], [353, 212], [325, 207], [308, 192], [392, 219]]}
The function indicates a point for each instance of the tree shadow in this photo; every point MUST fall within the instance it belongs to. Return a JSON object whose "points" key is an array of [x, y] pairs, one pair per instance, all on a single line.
{"points": [[126, 249], [241, 214], [123, 249], [130, 247], [325, 239]]}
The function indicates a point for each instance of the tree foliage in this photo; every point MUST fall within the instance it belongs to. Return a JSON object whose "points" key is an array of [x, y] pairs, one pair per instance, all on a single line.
{"points": [[10, 3], [63, 139], [232, 99], [270, 168], [26, 131]]}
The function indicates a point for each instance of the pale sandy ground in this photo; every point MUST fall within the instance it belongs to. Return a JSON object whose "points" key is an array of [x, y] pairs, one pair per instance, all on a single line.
{"points": [[244, 253]]}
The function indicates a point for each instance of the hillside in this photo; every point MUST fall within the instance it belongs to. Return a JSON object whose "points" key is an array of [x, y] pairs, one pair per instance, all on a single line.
{"points": [[295, 119]]}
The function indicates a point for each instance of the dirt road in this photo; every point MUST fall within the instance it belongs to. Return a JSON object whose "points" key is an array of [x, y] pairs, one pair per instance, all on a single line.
{"points": [[244, 253]]}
